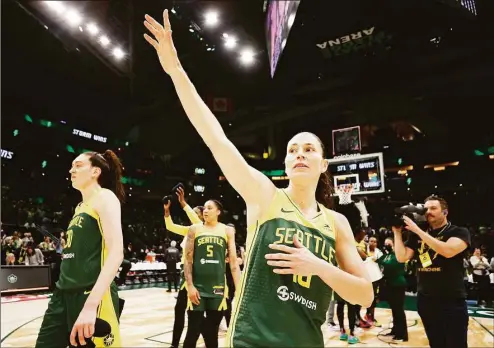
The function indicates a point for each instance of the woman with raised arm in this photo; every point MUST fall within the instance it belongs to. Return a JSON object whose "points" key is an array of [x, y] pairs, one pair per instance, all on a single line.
{"points": [[294, 240], [195, 217], [85, 290]]}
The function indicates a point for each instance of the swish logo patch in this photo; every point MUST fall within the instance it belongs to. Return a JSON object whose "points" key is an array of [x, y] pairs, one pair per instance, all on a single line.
{"points": [[285, 295], [204, 261]]}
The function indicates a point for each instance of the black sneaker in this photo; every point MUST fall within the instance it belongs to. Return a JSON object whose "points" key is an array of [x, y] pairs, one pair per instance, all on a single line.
{"points": [[400, 339]]}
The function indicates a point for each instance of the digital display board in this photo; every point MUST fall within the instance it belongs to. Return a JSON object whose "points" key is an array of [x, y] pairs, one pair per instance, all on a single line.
{"points": [[364, 172], [279, 20]]}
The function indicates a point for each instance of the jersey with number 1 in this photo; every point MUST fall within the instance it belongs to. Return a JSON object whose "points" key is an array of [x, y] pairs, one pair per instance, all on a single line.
{"points": [[208, 271], [283, 310]]}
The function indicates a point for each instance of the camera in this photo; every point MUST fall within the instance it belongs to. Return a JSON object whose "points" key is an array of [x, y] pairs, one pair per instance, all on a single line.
{"points": [[167, 198], [415, 212]]}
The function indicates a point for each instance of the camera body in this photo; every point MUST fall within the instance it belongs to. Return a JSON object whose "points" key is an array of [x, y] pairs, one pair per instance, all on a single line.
{"points": [[415, 212]]}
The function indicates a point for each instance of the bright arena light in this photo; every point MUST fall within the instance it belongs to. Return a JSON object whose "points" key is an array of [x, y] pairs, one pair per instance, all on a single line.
{"points": [[92, 28], [211, 18], [118, 53], [104, 40], [74, 18], [230, 42], [247, 56], [57, 6]]}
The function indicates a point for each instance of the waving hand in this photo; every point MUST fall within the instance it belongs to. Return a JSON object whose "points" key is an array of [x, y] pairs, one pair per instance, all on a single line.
{"points": [[162, 42]]}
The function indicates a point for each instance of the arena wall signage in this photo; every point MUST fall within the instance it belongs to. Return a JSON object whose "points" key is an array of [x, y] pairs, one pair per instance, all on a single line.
{"points": [[7, 154], [88, 135], [353, 42]]}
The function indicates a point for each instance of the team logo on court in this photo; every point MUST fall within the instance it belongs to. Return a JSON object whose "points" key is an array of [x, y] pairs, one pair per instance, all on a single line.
{"points": [[283, 293], [12, 278], [108, 340]]}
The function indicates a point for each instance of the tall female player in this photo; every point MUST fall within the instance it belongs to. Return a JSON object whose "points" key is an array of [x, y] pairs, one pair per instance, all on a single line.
{"points": [[294, 240], [91, 258], [195, 217], [205, 267]]}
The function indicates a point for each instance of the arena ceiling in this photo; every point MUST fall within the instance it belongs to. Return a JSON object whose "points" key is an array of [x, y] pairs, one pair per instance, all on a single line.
{"points": [[426, 62]]}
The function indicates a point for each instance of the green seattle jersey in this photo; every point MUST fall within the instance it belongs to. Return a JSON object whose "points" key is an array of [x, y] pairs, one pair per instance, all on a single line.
{"points": [[84, 253], [208, 271], [283, 310]]}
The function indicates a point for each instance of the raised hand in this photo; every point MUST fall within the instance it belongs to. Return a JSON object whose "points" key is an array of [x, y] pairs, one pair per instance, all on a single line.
{"points": [[162, 42], [167, 208], [181, 197]]}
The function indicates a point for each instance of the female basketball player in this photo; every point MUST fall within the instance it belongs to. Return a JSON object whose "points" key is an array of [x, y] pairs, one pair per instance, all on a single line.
{"points": [[195, 217], [205, 267], [284, 304], [91, 258]]}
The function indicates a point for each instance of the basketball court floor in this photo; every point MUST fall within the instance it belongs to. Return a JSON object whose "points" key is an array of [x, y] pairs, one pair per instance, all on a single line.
{"points": [[147, 321]]}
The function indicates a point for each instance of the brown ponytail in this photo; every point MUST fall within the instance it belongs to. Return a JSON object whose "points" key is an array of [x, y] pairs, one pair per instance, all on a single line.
{"points": [[111, 172], [324, 190]]}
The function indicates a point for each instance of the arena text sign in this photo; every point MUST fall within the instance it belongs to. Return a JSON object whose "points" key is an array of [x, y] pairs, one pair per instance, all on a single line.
{"points": [[88, 135]]}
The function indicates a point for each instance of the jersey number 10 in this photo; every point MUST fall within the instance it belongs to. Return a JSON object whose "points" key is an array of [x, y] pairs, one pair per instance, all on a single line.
{"points": [[302, 280]]}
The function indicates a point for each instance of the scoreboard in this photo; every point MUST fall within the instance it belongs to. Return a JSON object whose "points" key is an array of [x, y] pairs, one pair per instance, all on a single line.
{"points": [[364, 172]]}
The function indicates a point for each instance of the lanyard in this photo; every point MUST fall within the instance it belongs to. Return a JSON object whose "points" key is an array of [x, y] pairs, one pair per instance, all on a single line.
{"points": [[421, 251]]}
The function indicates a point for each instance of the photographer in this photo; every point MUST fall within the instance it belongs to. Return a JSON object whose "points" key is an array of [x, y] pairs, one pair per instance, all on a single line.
{"points": [[441, 291]]}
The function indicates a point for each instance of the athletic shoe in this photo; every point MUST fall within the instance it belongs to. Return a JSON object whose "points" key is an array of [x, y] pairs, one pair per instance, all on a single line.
{"points": [[343, 337], [334, 327], [353, 340], [400, 339]]}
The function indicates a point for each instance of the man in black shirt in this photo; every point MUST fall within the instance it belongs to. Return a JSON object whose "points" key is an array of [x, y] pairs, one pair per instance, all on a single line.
{"points": [[441, 291], [172, 256]]}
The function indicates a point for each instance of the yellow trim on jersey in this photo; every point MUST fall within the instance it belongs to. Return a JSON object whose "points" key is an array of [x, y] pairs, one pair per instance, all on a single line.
{"points": [[218, 231], [106, 312], [243, 280], [106, 309]]}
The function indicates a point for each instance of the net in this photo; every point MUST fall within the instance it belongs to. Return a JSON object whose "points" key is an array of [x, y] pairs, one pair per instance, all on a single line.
{"points": [[344, 193]]}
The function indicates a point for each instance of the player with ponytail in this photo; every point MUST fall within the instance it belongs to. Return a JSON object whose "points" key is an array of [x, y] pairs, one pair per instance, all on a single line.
{"points": [[84, 305]]}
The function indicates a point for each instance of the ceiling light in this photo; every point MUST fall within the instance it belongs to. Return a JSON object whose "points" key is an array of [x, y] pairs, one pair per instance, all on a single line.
{"points": [[57, 6], [247, 56], [211, 18], [104, 40], [74, 18], [92, 28], [230, 42], [118, 53]]}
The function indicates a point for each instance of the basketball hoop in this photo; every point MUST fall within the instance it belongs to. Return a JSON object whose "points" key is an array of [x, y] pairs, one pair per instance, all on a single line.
{"points": [[344, 193]]}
